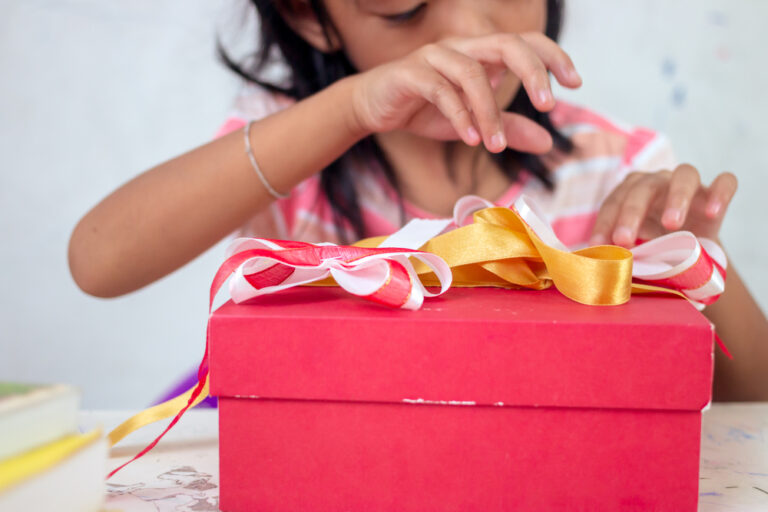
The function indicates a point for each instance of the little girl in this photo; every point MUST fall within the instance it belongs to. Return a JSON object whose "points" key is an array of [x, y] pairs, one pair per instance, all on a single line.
{"points": [[393, 109]]}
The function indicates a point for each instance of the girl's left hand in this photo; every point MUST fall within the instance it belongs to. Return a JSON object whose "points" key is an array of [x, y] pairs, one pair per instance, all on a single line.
{"points": [[647, 205]]}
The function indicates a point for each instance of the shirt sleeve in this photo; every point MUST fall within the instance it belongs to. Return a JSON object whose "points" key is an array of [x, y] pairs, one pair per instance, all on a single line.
{"points": [[656, 155], [645, 151]]}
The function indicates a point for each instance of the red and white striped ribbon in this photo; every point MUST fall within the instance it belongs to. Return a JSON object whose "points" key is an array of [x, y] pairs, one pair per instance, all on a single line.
{"points": [[680, 261], [382, 275], [694, 266]]}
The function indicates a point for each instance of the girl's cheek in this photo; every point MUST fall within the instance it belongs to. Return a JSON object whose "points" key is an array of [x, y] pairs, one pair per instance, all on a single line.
{"points": [[370, 41], [521, 15], [368, 52]]}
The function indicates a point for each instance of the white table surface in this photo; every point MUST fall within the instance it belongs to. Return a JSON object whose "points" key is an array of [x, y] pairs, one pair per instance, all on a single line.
{"points": [[181, 473]]}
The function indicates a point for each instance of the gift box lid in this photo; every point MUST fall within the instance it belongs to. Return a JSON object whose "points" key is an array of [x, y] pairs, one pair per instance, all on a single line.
{"points": [[471, 346]]}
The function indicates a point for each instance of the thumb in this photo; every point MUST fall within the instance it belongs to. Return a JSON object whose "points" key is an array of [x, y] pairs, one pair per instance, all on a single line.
{"points": [[526, 135]]}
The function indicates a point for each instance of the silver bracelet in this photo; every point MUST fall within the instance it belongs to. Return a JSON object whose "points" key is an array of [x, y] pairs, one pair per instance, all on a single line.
{"points": [[249, 152]]}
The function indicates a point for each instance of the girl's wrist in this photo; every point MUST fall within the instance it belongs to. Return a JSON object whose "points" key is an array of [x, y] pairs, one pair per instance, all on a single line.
{"points": [[348, 95]]}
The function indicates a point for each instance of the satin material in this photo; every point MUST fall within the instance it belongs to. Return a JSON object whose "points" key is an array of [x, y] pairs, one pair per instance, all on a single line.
{"points": [[500, 249]]}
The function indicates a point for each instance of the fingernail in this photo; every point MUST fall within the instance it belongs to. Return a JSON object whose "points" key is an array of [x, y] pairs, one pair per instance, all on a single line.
{"points": [[598, 240], [623, 236], [575, 75], [572, 74], [473, 136], [545, 96], [714, 208], [498, 141], [673, 216]]}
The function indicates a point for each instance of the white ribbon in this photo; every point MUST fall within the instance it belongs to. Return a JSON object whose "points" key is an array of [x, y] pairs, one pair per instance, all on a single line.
{"points": [[362, 277]]}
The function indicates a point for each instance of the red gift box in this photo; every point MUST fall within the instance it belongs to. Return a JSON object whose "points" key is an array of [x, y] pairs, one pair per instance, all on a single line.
{"points": [[484, 400]]}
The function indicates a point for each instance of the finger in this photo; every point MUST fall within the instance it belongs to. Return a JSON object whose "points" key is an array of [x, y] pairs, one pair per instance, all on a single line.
{"points": [[721, 191], [526, 135], [635, 206], [555, 59], [517, 55], [609, 211], [436, 89], [468, 74], [683, 186]]}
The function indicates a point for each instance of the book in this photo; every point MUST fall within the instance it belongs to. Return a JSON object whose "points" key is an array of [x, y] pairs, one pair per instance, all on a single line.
{"points": [[35, 414]]}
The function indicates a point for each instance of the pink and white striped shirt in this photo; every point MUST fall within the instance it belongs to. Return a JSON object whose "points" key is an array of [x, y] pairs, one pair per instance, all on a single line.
{"points": [[605, 152]]}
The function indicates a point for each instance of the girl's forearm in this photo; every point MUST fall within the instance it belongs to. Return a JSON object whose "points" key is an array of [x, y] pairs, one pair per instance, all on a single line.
{"points": [[171, 213], [744, 329]]}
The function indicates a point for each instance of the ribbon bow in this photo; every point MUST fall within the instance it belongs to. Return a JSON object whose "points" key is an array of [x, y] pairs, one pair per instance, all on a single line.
{"points": [[381, 275], [516, 247]]}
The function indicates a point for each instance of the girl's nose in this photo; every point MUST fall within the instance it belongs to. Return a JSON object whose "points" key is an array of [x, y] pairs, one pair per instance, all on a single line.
{"points": [[468, 18]]}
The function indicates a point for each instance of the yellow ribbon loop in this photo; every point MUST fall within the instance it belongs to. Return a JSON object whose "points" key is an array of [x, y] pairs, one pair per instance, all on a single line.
{"points": [[500, 249]]}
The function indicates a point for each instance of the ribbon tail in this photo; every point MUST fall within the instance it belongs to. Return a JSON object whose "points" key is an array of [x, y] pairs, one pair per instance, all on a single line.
{"points": [[649, 288], [644, 288], [160, 412], [722, 346], [180, 404]]}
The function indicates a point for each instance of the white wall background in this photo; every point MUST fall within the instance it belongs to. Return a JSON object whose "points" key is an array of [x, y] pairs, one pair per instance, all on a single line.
{"points": [[92, 93]]}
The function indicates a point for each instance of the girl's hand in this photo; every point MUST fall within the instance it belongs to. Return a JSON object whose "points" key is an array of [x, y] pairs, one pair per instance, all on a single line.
{"points": [[445, 90], [648, 205]]}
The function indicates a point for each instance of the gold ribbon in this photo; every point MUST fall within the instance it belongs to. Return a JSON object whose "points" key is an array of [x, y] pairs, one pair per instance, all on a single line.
{"points": [[156, 413], [499, 249]]}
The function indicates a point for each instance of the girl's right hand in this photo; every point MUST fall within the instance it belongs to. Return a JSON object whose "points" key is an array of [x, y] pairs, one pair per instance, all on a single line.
{"points": [[444, 91]]}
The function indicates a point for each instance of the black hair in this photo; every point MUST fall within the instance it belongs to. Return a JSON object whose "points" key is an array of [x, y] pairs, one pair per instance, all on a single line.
{"points": [[311, 70]]}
